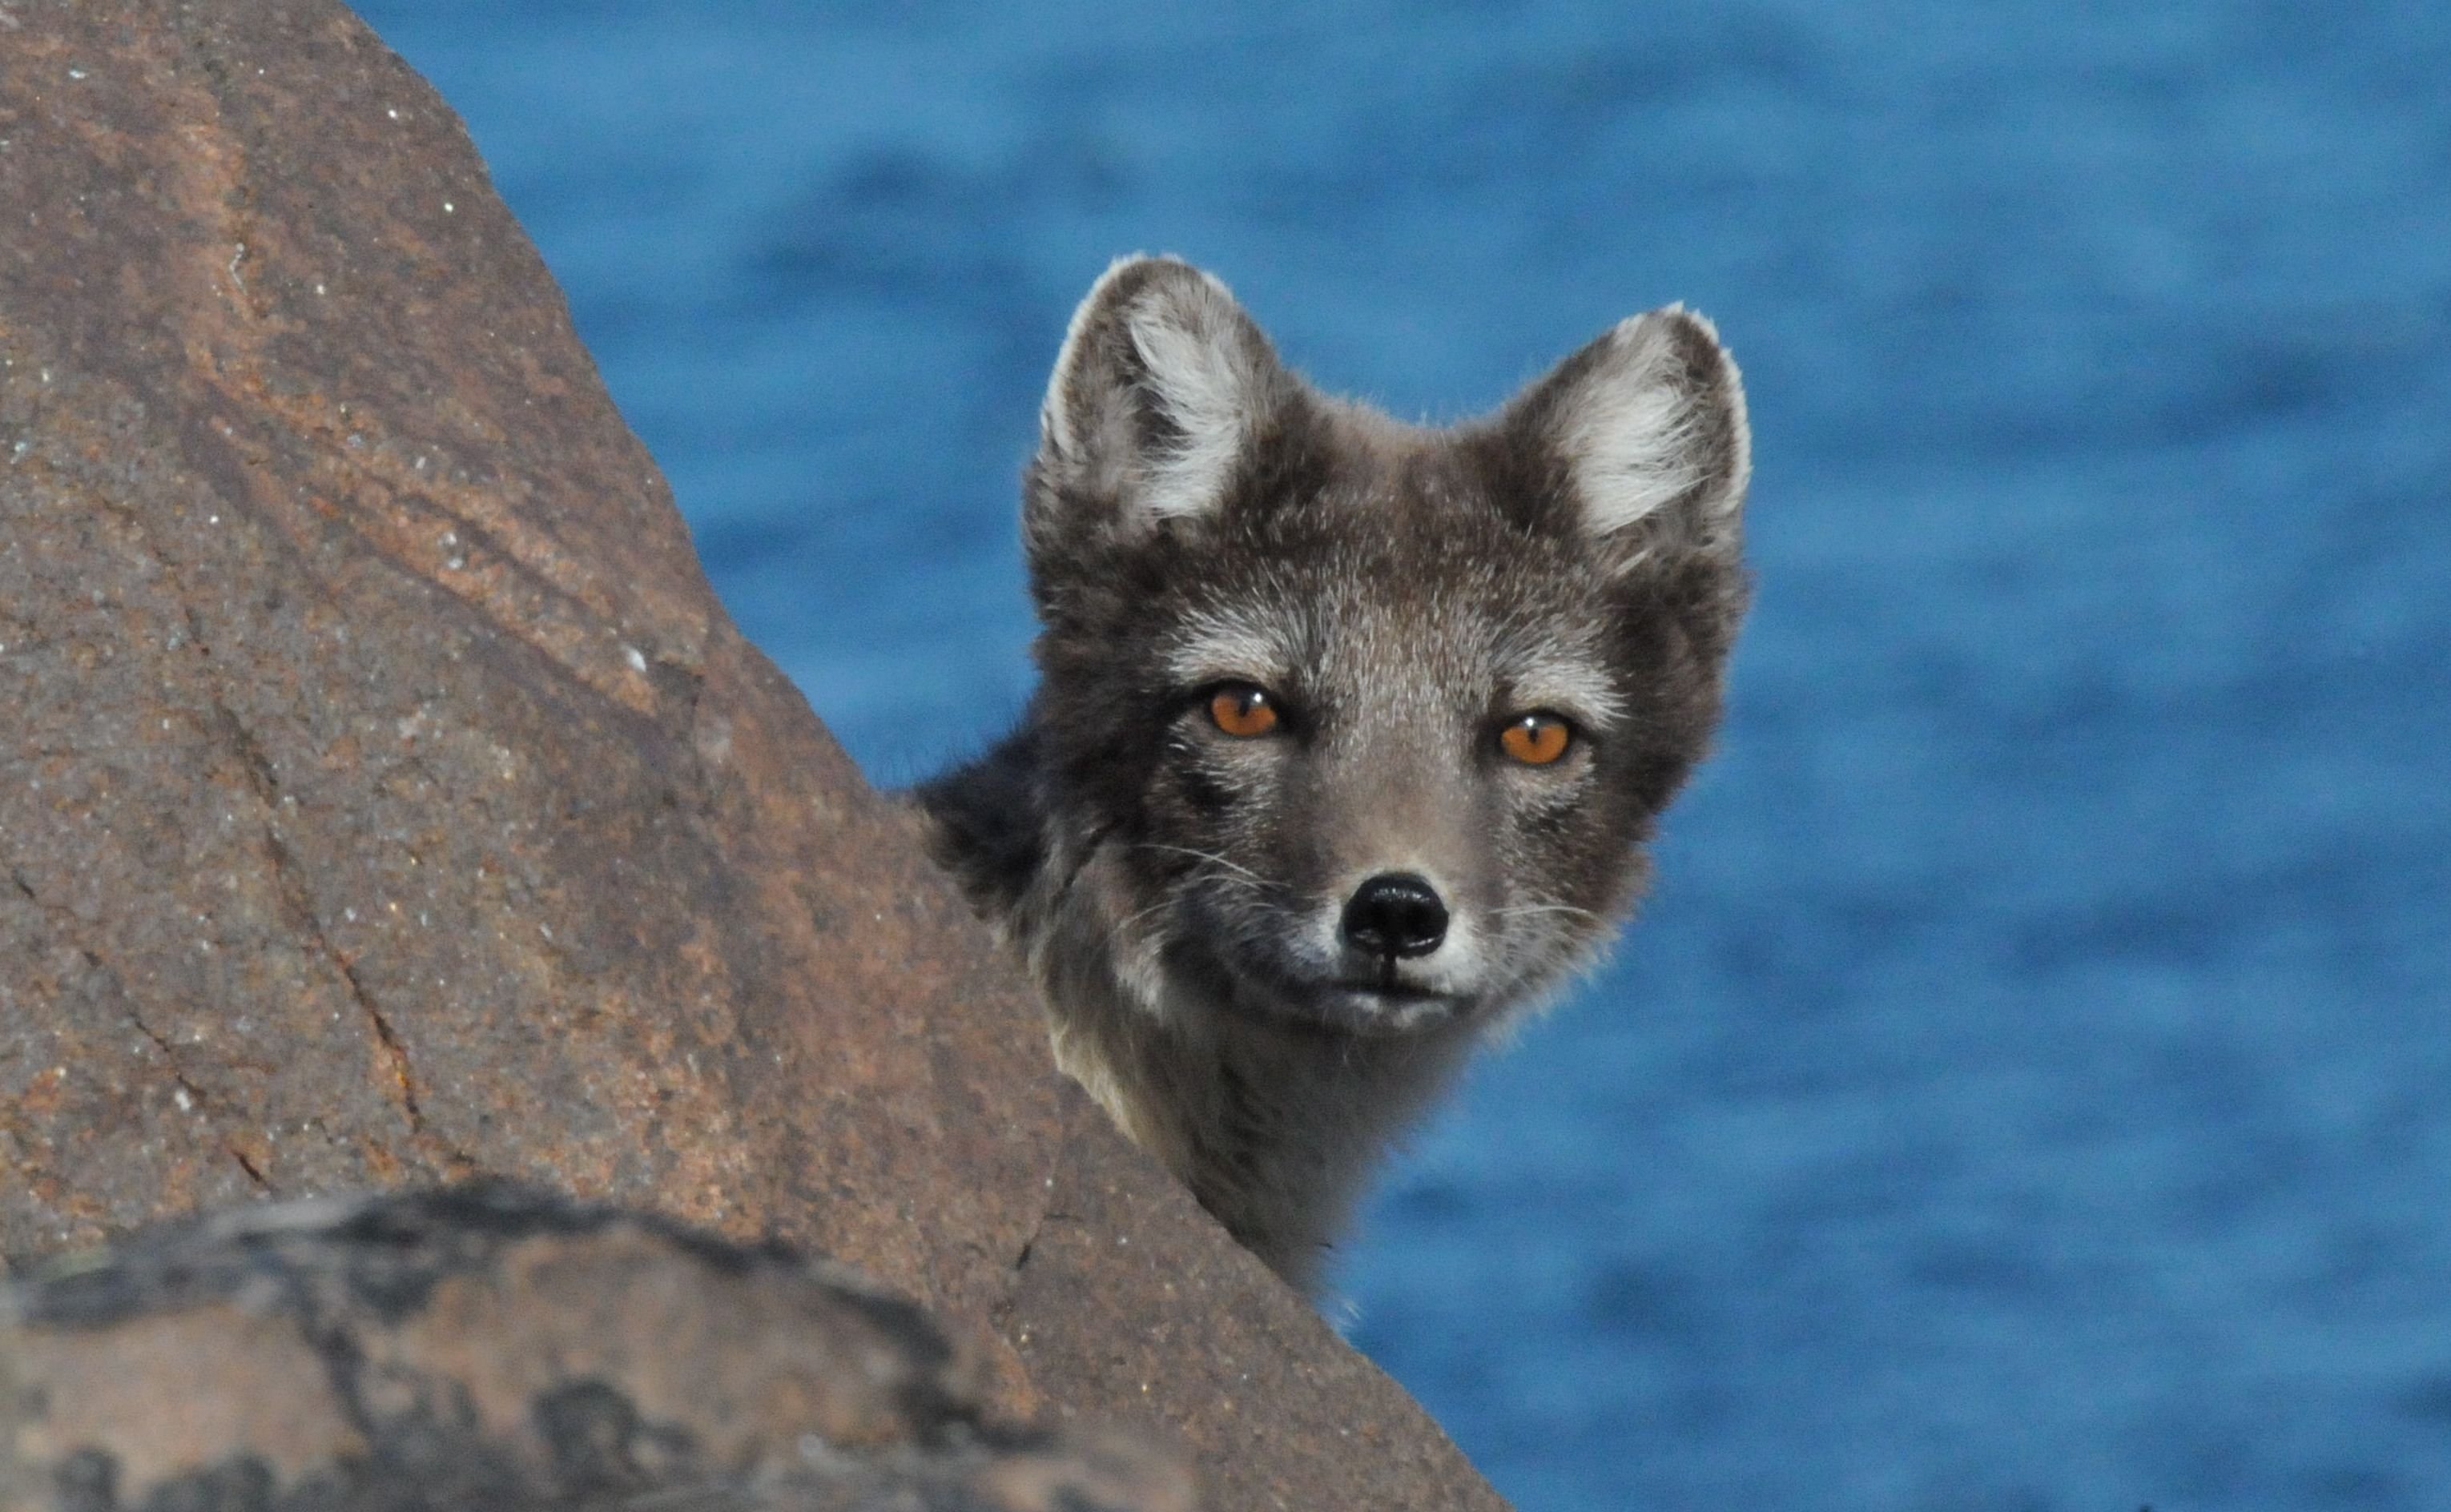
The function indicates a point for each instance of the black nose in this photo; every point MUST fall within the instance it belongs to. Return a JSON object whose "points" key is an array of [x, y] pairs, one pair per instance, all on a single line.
{"points": [[1395, 914]]}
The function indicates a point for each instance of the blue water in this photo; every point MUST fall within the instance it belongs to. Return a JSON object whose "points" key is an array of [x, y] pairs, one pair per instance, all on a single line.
{"points": [[2031, 1087]]}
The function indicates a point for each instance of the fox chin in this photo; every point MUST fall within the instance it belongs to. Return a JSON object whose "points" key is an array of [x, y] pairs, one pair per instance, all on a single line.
{"points": [[1349, 733]]}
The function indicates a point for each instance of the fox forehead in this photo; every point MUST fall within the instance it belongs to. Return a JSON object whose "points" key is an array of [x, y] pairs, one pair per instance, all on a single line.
{"points": [[1364, 629], [1381, 569]]}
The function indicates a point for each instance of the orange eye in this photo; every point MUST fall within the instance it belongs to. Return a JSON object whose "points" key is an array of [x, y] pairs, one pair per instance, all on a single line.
{"points": [[1535, 739], [1243, 710]]}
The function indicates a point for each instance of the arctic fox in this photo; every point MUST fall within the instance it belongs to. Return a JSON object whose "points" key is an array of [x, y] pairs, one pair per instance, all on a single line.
{"points": [[1349, 733]]}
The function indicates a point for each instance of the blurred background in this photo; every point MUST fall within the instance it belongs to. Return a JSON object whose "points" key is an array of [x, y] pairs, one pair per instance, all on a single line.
{"points": [[2029, 1087]]}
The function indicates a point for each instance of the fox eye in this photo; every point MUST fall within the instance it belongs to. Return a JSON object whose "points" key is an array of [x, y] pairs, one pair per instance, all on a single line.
{"points": [[1535, 739], [1243, 710]]}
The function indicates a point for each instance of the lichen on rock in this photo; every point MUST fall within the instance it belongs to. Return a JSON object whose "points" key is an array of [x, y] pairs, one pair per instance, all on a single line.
{"points": [[488, 1346]]}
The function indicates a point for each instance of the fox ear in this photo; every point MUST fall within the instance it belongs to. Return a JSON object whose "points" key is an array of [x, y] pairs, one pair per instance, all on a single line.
{"points": [[1648, 425], [1161, 385]]}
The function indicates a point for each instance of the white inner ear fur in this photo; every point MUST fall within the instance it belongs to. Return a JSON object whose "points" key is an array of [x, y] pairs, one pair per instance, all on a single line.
{"points": [[1199, 368], [1637, 440], [1205, 383]]}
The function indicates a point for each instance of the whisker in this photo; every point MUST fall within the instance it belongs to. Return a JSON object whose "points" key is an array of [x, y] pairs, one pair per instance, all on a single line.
{"points": [[1127, 922], [1544, 908], [1205, 855], [1250, 884]]}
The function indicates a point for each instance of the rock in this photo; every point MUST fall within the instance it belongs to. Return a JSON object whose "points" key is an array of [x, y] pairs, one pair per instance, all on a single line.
{"points": [[385, 799], [490, 1347]]}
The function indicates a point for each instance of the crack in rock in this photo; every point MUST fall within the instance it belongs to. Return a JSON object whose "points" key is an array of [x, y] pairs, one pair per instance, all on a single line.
{"points": [[194, 1098], [169, 1055], [296, 902], [302, 916]]}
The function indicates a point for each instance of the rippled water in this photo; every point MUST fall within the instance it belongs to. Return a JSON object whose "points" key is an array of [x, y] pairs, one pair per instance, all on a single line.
{"points": [[2031, 1088]]}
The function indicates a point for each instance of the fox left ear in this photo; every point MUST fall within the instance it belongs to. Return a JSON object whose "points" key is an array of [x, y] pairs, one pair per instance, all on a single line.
{"points": [[1648, 425], [1161, 386]]}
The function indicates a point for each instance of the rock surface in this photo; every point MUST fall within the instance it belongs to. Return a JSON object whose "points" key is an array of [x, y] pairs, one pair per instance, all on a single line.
{"points": [[490, 1347], [384, 797]]}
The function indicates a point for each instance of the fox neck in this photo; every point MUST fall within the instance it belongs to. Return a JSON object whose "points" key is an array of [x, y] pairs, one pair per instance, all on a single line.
{"points": [[1273, 1123]]}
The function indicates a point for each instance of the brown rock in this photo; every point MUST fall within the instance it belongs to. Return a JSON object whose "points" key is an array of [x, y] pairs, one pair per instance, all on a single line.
{"points": [[489, 1348], [384, 797]]}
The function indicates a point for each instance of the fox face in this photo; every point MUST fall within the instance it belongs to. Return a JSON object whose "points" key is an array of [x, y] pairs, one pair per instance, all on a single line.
{"points": [[1366, 722]]}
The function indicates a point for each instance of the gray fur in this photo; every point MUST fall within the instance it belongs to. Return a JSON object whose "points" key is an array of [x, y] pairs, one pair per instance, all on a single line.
{"points": [[1196, 513]]}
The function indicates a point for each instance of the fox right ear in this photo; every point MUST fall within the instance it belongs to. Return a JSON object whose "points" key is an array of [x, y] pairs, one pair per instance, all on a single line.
{"points": [[1162, 382], [1648, 425]]}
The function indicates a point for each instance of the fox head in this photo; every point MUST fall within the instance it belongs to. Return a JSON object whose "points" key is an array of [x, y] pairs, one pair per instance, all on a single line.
{"points": [[1372, 720]]}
